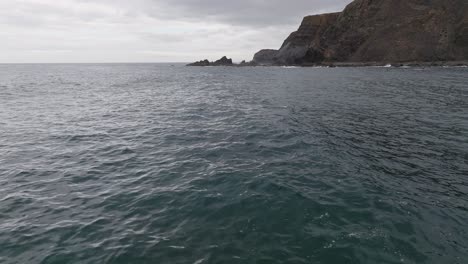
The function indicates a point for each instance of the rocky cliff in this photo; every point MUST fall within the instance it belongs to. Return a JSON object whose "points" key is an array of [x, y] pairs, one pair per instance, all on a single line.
{"points": [[296, 46], [379, 31]]}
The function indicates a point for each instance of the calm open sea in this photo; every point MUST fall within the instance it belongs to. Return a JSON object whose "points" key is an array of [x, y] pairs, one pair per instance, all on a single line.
{"points": [[160, 163]]}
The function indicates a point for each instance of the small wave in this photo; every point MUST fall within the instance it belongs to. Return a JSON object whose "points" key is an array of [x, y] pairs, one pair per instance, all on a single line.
{"points": [[177, 247], [381, 66], [278, 160], [199, 261], [85, 137]]}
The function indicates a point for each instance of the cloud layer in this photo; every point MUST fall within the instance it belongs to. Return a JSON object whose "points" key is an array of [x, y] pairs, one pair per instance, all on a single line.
{"points": [[147, 30]]}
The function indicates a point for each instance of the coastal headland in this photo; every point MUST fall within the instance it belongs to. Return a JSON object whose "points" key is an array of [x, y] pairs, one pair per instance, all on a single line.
{"points": [[374, 33]]}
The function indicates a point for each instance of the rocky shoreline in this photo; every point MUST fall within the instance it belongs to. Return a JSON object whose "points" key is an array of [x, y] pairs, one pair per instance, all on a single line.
{"points": [[390, 64], [229, 63]]}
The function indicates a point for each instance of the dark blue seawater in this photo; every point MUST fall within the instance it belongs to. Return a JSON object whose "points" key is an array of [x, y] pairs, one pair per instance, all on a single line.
{"points": [[155, 163]]}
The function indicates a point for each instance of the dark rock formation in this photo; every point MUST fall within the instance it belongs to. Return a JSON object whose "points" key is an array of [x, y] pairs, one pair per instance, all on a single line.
{"points": [[392, 31], [200, 63], [246, 64], [265, 57], [224, 61], [297, 45]]}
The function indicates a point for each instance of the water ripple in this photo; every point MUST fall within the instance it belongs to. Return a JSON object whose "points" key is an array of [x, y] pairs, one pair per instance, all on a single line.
{"points": [[157, 164]]}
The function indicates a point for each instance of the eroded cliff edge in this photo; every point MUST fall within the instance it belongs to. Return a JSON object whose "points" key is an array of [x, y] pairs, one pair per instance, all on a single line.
{"points": [[390, 31]]}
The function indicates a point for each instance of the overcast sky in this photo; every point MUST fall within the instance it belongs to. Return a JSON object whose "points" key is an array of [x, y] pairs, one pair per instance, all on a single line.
{"points": [[148, 30]]}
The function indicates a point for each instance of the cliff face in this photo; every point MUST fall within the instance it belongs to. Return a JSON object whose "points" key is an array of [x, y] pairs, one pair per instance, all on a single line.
{"points": [[296, 46], [382, 31]]}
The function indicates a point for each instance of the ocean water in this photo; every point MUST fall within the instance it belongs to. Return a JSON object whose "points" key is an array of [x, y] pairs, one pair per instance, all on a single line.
{"points": [[160, 163]]}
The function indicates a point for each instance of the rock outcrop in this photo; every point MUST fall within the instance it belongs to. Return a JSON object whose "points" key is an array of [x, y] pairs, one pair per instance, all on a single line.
{"points": [[389, 31], [224, 61], [266, 57], [200, 63]]}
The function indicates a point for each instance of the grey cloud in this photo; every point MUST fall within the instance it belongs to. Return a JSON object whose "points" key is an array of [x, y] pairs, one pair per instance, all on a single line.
{"points": [[245, 12], [147, 30], [239, 12]]}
